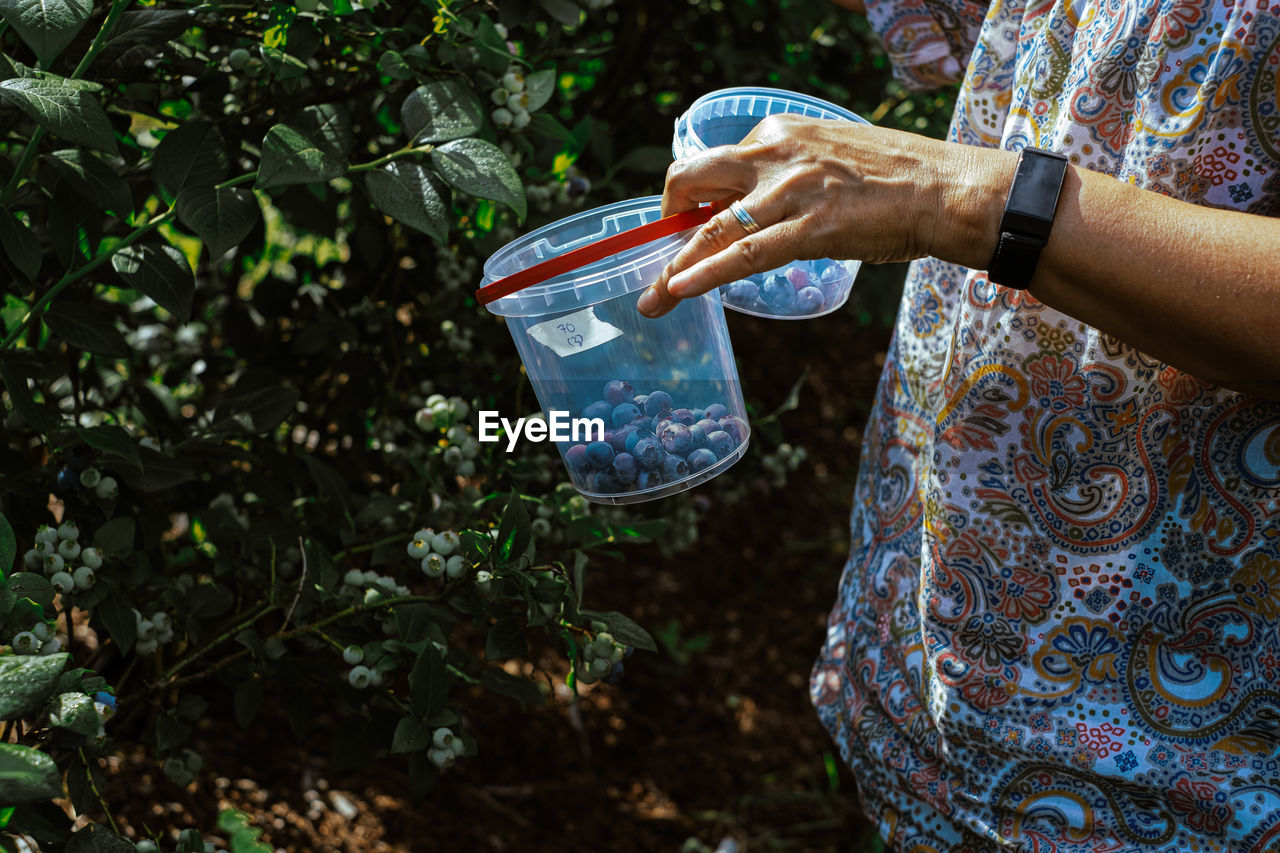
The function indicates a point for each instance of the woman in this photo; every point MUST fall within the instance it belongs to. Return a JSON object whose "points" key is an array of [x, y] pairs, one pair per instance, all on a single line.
{"points": [[1059, 625]]}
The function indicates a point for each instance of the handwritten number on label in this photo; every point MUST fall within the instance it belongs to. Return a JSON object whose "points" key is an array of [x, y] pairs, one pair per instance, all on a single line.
{"points": [[569, 337]]}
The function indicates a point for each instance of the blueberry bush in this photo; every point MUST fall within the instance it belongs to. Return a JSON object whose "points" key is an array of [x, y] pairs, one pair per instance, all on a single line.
{"points": [[240, 358]]}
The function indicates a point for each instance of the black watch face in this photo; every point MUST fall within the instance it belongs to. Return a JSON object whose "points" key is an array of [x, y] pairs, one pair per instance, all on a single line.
{"points": [[1035, 188]]}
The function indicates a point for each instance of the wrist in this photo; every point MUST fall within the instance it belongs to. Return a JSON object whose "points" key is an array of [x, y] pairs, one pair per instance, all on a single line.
{"points": [[975, 184]]}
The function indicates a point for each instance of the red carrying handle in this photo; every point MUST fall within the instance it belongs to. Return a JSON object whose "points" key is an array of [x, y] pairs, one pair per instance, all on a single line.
{"points": [[592, 252]]}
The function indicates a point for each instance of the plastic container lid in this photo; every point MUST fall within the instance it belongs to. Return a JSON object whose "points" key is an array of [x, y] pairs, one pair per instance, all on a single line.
{"points": [[617, 274], [725, 116]]}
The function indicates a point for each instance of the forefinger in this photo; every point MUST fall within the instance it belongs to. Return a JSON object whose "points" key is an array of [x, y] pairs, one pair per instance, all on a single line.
{"points": [[711, 175]]}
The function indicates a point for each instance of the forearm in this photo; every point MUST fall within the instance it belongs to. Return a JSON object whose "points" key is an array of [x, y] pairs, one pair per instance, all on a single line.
{"points": [[1196, 287]]}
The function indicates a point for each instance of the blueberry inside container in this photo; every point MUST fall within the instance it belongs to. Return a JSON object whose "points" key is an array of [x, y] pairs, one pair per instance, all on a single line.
{"points": [[666, 389], [803, 288]]}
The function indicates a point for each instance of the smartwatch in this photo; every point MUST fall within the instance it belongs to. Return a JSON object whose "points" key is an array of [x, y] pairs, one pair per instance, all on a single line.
{"points": [[1028, 217]]}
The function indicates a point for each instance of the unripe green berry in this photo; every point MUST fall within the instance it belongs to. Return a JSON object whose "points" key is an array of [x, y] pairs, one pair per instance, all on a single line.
{"points": [[442, 737], [33, 560], [47, 534], [455, 567], [513, 81], [441, 758], [68, 530], [353, 577], [424, 420], [600, 667], [540, 527], [502, 117], [25, 643], [447, 542], [91, 557], [499, 96], [352, 655], [521, 120], [107, 489], [84, 577], [433, 565], [62, 582], [68, 549], [238, 58], [90, 477], [53, 564], [360, 677], [42, 631], [419, 548]]}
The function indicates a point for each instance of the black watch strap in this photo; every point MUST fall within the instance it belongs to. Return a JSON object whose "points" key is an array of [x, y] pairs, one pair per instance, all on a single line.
{"points": [[1028, 217], [1014, 262]]}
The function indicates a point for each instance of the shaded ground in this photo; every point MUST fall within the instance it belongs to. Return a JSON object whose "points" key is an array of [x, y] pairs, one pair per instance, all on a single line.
{"points": [[723, 745]]}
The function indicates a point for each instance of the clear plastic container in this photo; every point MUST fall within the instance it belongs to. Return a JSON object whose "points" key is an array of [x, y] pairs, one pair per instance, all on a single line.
{"points": [[801, 289], [667, 389]]}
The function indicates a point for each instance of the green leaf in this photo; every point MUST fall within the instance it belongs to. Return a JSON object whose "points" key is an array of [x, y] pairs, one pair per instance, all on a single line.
{"points": [[26, 681], [329, 126], [522, 690], [505, 640], [75, 713], [392, 64], [190, 841], [94, 180], [623, 629], [27, 776], [160, 271], [258, 410], [480, 169], [283, 66], [20, 244], [408, 193], [117, 617], [288, 157], [41, 416], [546, 125], [96, 838], [8, 549], [115, 538], [514, 532], [539, 87], [428, 683], [139, 30], [84, 326], [47, 26], [32, 586], [411, 734], [565, 12], [441, 110], [66, 110], [192, 155], [170, 731], [221, 217], [114, 440]]}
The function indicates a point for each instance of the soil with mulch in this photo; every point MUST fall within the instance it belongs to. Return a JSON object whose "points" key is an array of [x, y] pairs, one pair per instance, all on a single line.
{"points": [[682, 754]]}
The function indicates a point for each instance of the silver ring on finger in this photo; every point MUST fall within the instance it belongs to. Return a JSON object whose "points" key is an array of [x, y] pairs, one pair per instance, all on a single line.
{"points": [[746, 220]]}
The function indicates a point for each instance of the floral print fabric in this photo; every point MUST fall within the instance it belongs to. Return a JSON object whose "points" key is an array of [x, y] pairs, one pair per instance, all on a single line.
{"points": [[1059, 625]]}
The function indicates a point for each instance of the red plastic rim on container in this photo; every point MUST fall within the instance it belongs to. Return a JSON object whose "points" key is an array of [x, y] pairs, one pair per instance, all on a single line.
{"points": [[597, 251]]}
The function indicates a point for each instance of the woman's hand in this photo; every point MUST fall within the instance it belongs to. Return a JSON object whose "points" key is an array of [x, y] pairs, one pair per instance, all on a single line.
{"points": [[828, 189]]}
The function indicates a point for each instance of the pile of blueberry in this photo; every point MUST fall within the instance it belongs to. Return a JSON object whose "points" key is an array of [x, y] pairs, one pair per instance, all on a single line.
{"points": [[804, 288], [602, 658], [648, 442]]}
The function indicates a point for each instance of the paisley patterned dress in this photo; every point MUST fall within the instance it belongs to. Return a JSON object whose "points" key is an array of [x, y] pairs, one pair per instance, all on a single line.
{"points": [[1059, 625]]}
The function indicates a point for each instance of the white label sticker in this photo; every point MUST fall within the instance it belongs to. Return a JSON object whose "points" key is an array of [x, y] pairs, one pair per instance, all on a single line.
{"points": [[574, 332]]}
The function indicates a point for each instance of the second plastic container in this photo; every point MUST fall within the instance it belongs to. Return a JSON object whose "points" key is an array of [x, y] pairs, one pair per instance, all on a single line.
{"points": [[801, 289], [666, 389]]}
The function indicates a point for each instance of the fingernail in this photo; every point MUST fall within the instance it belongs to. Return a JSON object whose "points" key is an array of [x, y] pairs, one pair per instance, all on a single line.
{"points": [[648, 302], [677, 286]]}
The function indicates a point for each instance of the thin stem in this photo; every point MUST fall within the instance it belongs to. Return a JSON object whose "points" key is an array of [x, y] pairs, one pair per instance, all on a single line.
{"points": [[361, 548], [387, 158], [94, 785], [75, 275], [167, 683], [246, 622]]}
